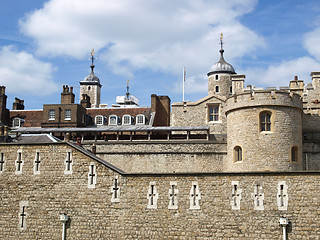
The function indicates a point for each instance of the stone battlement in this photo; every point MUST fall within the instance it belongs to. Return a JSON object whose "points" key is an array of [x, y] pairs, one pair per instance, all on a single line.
{"points": [[264, 98]]}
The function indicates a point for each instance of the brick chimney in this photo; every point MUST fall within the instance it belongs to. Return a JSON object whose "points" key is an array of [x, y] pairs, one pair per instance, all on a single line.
{"points": [[67, 95], [18, 104], [85, 101]]}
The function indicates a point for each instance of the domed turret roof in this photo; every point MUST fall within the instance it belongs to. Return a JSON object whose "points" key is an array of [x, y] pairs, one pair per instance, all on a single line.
{"points": [[221, 66], [91, 77]]}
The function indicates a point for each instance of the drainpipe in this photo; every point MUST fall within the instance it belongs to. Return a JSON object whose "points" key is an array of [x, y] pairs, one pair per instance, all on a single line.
{"points": [[64, 218], [284, 223]]}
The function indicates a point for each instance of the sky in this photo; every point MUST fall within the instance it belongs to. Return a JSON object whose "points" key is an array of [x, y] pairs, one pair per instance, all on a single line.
{"points": [[45, 44]]}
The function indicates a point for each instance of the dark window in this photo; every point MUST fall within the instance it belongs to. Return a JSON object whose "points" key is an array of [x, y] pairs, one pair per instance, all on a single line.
{"points": [[265, 121], [294, 154], [213, 113], [237, 154]]}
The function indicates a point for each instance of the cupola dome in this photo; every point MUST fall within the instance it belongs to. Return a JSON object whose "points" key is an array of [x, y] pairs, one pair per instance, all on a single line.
{"points": [[221, 66]]}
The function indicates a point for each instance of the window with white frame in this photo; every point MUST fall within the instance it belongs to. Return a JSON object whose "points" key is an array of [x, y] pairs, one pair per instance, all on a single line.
{"points": [[152, 196], [113, 120], [19, 162], [282, 196], [17, 122], [195, 196], [99, 120], [173, 196], [68, 162], [236, 195], [67, 114], [92, 176], [258, 197], [213, 113], [126, 120], [23, 215], [115, 190], [2, 162], [36, 163], [140, 119], [52, 114]]}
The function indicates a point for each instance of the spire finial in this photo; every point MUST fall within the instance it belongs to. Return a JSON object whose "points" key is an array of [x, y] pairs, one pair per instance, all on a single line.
{"points": [[92, 58], [127, 90], [221, 42]]}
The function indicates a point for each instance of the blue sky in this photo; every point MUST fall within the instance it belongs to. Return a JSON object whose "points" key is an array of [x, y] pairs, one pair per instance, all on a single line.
{"points": [[46, 44]]}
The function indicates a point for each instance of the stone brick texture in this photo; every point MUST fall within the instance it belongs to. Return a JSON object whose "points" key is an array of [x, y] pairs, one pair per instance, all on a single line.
{"points": [[164, 157], [94, 216]]}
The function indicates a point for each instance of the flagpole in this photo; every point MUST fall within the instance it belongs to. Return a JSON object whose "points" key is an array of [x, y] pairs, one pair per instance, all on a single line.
{"points": [[183, 81]]}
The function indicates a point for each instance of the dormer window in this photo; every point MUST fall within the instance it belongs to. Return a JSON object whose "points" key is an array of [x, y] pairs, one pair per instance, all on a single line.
{"points": [[99, 120], [126, 120], [17, 122], [113, 120], [140, 119]]}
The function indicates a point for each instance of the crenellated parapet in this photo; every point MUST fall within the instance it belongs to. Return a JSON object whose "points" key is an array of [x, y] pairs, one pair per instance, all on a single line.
{"points": [[260, 98]]}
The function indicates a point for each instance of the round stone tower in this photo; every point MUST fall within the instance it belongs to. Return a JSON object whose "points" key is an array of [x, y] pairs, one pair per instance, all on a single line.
{"points": [[91, 86], [264, 132], [219, 76]]}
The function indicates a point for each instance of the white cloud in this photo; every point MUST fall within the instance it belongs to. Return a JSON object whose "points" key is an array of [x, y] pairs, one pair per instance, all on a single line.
{"points": [[131, 35], [311, 42], [281, 74], [21, 72]]}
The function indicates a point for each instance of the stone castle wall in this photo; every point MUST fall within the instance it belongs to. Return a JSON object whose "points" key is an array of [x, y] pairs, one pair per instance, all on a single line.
{"points": [[93, 214], [168, 157]]}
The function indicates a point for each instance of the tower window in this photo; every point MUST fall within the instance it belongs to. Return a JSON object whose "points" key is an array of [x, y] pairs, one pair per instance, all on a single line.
{"points": [[213, 113], [89, 88], [237, 154], [217, 89], [230, 89], [294, 154], [265, 121], [217, 77]]}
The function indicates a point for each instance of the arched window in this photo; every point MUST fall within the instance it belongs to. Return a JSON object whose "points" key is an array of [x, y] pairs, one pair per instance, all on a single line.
{"points": [[265, 121], [89, 88], [17, 122], [237, 154], [140, 119], [113, 120], [99, 120], [126, 120], [217, 77], [294, 154], [217, 89]]}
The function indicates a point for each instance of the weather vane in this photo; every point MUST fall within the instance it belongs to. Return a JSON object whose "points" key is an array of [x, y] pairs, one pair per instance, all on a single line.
{"points": [[92, 58], [221, 42]]}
